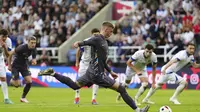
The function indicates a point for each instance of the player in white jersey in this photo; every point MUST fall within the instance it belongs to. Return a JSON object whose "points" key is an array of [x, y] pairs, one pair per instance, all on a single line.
{"points": [[83, 65], [5, 47], [168, 72], [136, 65]]}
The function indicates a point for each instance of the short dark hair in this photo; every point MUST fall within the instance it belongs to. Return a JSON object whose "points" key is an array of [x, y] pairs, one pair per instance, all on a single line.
{"points": [[3, 32], [191, 44], [95, 30], [31, 38], [108, 24], [149, 47]]}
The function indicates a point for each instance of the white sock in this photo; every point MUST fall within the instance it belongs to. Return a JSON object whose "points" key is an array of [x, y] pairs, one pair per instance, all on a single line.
{"points": [[179, 89], [140, 91], [94, 91], [137, 110], [4, 88], [119, 95], [151, 92], [77, 93]]}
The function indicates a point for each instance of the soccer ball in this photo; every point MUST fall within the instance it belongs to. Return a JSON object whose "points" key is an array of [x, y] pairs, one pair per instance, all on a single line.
{"points": [[165, 109]]}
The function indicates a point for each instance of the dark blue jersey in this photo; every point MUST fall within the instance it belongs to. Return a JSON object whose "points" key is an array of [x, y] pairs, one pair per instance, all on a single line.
{"points": [[99, 51], [22, 52]]}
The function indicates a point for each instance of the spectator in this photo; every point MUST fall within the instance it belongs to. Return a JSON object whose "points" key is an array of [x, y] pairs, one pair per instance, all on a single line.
{"points": [[187, 21], [60, 35], [187, 36], [148, 41], [196, 30], [153, 30], [162, 26], [70, 20], [19, 3], [196, 15], [13, 8], [161, 40], [94, 6], [177, 42], [198, 57], [187, 5], [126, 28], [38, 22], [54, 22], [146, 10], [161, 12], [44, 40], [27, 7], [44, 58], [37, 35], [3, 14], [139, 41]]}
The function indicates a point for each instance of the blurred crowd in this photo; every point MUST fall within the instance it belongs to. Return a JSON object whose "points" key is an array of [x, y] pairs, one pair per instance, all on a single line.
{"points": [[159, 22], [51, 21]]}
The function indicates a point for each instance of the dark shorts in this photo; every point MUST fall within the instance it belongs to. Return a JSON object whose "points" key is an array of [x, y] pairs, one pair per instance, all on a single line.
{"points": [[24, 70], [100, 79]]}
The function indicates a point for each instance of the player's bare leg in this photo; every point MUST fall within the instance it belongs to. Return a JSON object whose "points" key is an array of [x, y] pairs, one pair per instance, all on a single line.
{"points": [[179, 89], [150, 93], [4, 88], [144, 85], [121, 89]]}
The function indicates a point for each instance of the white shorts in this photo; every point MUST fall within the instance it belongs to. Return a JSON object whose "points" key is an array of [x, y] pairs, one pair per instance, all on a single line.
{"points": [[2, 68], [82, 68], [130, 73], [172, 77]]}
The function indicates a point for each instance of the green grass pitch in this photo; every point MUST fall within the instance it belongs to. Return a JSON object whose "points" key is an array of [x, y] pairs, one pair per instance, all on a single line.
{"points": [[61, 100]]}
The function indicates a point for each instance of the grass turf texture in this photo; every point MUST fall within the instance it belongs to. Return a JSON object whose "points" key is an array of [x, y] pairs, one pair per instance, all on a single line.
{"points": [[61, 100]]}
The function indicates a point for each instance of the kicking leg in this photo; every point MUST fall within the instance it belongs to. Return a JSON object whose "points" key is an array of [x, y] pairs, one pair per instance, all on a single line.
{"points": [[121, 89], [61, 78], [127, 82]]}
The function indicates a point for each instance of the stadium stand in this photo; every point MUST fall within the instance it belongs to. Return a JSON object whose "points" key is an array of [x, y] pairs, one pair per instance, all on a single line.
{"points": [[51, 21], [159, 22]]}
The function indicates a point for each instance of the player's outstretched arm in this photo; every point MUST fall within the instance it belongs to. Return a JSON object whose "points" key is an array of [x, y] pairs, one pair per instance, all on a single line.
{"points": [[169, 64]]}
